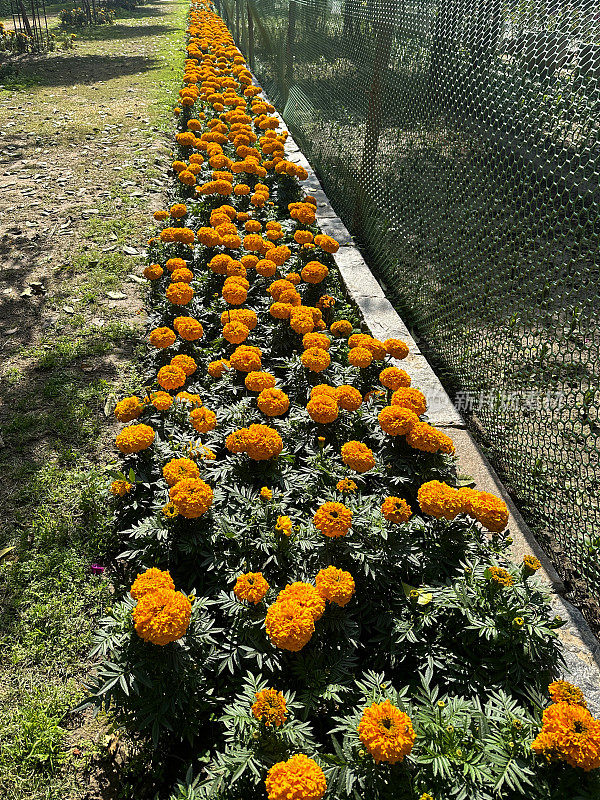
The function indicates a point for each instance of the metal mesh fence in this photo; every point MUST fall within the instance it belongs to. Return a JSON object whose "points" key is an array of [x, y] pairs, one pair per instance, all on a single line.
{"points": [[459, 141]]}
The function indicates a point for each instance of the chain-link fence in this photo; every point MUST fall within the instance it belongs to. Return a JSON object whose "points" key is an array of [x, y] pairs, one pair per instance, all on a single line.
{"points": [[459, 141]]}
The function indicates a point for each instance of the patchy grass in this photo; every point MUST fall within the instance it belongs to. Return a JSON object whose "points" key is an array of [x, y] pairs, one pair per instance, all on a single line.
{"points": [[67, 360]]}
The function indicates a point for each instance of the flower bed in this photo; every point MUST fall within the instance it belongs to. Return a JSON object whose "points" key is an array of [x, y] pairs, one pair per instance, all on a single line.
{"points": [[313, 604]]}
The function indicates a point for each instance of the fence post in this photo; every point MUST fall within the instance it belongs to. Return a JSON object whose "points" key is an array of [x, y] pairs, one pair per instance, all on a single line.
{"points": [[289, 49], [25, 19], [250, 36], [383, 49]]}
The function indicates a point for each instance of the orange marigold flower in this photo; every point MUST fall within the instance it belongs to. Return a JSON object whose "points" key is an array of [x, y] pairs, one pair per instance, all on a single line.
{"points": [[314, 272], [333, 519], [386, 732], [315, 359], [162, 337], [262, 442], [303, 237], [244, 315], [192, 497], [397, 421], [218, 264], [530, 565], [424, 437], [259, 381], [135, 438], [161, 215], [284, 525], [305, 595], [217, 368], [500, 576], [203, 420], [188, 328], [162, 616], [394, 378], [396, 348], [327, 243], [280, 310], [179, 468], [235, 442], [410, 398], [162, 401], [564, 692], [246, 358], [298, 778], [341, 329], [316, 340], [279, 286], [178, 211], [184, 235], [569, 733], [446, 443], [395, 509], [235, 332], [174, 264], [376, 347], [208, 237], [184, 275], [289, 625], [149, 581], [325, 301], [269, 707], [357, 456], [273, 402], [322, 408], [266, 494], [266, 267], [128, 409], [185, 363], [346, 486], [234, 294], [153, 272], [324, 389], [335, 585], [349, 398], [439, 500], [171, 377], [253, 241], [359, 340], [120, 488], [292, 298], [360, 357], [251, 586], [279, 255], [179, 293], [301, 320], [490, 511]]}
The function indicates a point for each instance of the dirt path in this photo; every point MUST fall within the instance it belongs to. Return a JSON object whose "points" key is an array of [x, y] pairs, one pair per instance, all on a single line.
{"points": [[83, 153], [84, 149]]}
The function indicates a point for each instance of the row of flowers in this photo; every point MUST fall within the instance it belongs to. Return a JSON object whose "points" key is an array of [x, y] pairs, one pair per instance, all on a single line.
{"points": [[301, 539]]}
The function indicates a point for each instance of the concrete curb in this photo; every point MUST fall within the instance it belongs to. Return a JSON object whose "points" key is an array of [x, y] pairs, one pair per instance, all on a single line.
{"points": [[581, 649]]}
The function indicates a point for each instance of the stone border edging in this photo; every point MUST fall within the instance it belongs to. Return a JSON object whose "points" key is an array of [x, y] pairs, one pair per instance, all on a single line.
{"points": [[581, 649]]}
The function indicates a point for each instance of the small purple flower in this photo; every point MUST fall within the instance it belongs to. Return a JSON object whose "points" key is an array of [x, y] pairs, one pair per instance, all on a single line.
{"points": [[96, 569]]}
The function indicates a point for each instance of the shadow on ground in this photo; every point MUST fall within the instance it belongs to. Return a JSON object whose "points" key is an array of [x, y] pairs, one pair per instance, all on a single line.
{"points": [[69, 70]]}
